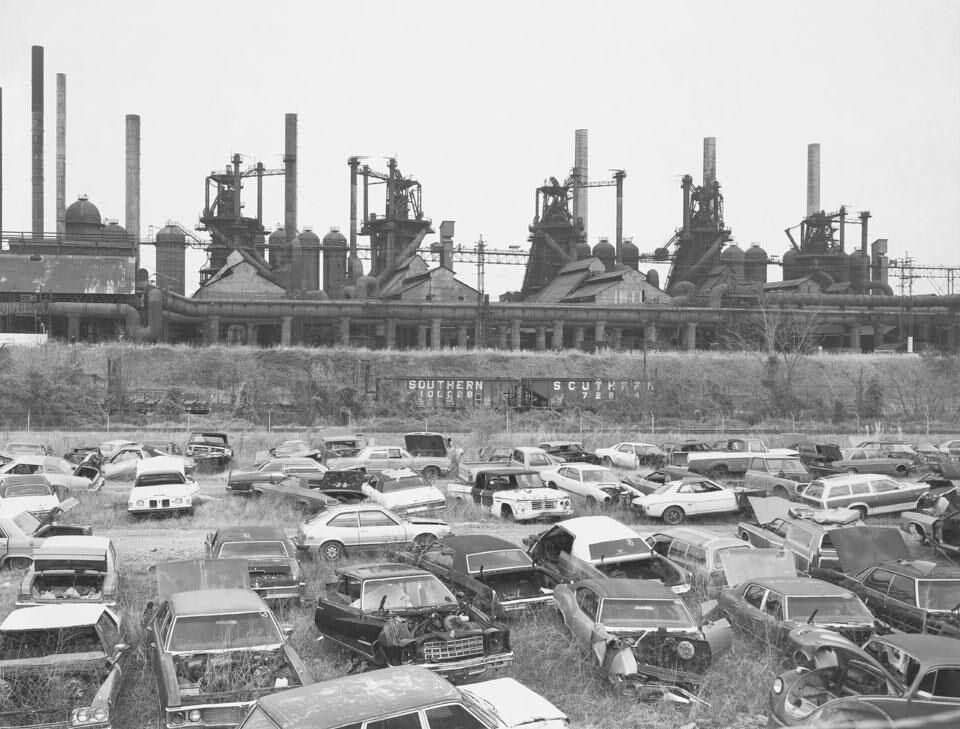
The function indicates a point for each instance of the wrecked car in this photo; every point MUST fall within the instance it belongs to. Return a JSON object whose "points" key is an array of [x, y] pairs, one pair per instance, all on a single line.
{"points": [[590, 486], [271, 471], [161, 488], [632, 455], [515, 494], [404, 492], [892, 678], [209, 449], [272, 565], [768, 600], [348, 529], [122, 463], [698, 551], [867, 493], [69, 569], [215, 647], [937, 523], [598, 547], [61, 665], [647, 480], [58, 472], [25, 532], [382, 458], [676, 500], [25, 448], [641, 635], [492, 573], [570, 451], [27, 493], [872, 460], [402, 697], [783, 476], [391, 613], [912, 595], [436, 446], [344, 486]]}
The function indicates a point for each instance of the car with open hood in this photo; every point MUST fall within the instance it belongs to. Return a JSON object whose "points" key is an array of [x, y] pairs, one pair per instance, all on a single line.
{"points": [[590, 486], [209, 449], [272, 566], [344, 486], [215, 646], [492, 573], [404, 491], [32, 493], [768, 600], [354, 528], [162, 488], [912, 595], [676, 501], [72, 569], [58, 472], [24, 533], [936, 520], [598, 547], [697, 550], [26, 448], [641, 636], [391, 613], [62, 665], [408, 697], [122, 463], [893, 680]]}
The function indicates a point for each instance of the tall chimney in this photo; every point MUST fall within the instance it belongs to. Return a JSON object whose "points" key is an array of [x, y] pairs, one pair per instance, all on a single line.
{"points": [[581, 175], [813, 178], [290, 183], [132, 186], [1, 158], [61, 153], [709, 161], [37, 134]]}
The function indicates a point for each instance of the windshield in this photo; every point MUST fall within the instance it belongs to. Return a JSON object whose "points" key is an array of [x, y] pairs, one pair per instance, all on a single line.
{"points": [[401, 484], [840, 608], [814, 491], [597, 475], [539, 459], [160, 479], [26, 489], [258, 549], [404, 593], [629, 613], [499, 560], [900, 663], [209, 439], [529, 481], [15, 644], [784, 464], [939, 594], [224, 632], [619, 548]]}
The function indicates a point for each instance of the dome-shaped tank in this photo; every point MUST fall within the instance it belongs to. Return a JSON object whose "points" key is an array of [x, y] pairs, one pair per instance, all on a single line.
{"points": [[605, 251], [114, 231], [732, 258], [334, 263], [276, 244], [310, 248], [755, 264], [653, 277], [791, 266], [630, 255], [82, 218], [171, 258], [582, 250], [295, 282]]}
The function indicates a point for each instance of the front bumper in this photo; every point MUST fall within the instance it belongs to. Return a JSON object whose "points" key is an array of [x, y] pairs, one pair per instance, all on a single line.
{"points": [[542, 514], [212, 716], [470, 666], [158, 510]]}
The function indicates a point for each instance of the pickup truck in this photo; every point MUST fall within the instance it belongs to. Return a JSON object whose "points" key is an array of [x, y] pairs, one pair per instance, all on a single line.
{"points": [[516, 494], [731, 457], [533, 458], [783, 476]]}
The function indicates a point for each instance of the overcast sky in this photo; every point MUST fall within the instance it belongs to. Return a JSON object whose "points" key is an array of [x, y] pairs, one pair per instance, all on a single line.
{"points": [[481, 103]]}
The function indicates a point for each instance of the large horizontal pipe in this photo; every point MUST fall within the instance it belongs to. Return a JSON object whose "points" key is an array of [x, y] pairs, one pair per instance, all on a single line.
{"points": [[951, 301]]}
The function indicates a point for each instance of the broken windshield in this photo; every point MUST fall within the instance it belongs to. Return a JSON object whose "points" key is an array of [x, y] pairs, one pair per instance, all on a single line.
{"points": [[18, 644]]}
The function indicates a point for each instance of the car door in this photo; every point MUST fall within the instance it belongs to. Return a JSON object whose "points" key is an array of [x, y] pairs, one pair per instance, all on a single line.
{"points": [[398, 458], [376, 459], [343, 528], [583, 620], [685, 497], [938, 692], [157, 631], [711, 498], [568, 480], [900, 605], [774, 608], [379, 529], [747, 613], [888, 496], [338, 611], [873, 591], [625, 456]]}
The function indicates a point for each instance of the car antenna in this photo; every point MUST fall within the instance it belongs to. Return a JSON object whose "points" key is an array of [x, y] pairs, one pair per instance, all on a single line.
{"points": [[813, 615]]}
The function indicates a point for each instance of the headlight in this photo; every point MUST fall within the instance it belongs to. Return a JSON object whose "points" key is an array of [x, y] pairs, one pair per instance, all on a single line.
{"points": [[778, 686], [177, 717], [194, 715], [139, 502], [685, 650], [175, 500]]}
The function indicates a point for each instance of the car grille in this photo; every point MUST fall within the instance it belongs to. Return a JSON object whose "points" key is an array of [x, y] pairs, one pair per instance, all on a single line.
{"points": [[444, 650], [159, 503], [539, 505]]}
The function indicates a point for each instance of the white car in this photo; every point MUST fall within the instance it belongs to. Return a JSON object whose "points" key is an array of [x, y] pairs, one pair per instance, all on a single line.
{"points": [[630, 455], [27, 493], [122, 463], [161, 487], [676, 500], [589, 485], [404, 491], [58, 471]]}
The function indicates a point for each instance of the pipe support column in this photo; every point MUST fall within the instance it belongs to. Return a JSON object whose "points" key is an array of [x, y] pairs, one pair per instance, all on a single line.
{"points": [[515, 335], [578, 336], [73, 328], [690, 337], [345, 331], [541, 338], [600, 333], [502, 336], [650, 335], [855, 338], [390, 332], [435, 333], [558, 334], [462, 341], [286, 330], [421, 336], [212, 329], [616, 339]]}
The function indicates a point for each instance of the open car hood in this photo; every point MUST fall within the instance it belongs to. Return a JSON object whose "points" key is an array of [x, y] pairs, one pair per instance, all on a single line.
{"points": [[432, 444], [201, 574], [768, 508], [812, 638], [859, 546], [56, 511], [740, 565]]}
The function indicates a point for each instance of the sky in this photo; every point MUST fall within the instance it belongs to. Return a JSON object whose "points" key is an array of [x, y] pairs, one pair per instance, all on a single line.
{"points": [[480, 101]]}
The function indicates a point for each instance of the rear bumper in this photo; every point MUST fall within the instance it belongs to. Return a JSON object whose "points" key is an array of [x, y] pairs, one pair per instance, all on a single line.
{"points": [[279, 593]]}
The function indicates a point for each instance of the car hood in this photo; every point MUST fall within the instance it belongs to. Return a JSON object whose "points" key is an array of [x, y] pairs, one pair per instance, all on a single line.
{"points": [[768, 508], [859, 546], [740, 565], [811, 638], [514, 704], [201, 574]]}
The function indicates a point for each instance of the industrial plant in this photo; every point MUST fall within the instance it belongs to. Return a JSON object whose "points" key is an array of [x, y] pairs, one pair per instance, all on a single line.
{"points": [[379, 285]]}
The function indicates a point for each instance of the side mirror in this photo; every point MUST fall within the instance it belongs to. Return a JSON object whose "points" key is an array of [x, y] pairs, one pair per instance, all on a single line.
{"points": [[286, 629]]}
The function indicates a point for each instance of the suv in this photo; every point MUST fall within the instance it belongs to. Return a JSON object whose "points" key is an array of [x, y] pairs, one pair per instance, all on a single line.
{"points": [[209, 448], [868, 493]]}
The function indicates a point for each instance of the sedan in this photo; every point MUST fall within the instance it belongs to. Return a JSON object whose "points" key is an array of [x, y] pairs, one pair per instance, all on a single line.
{"points": [[272, 565], [361, 528], [122, 463], [675, 501], [631, 455], [27, 493], [57, 470], [271, 471], [872, 460], [590, 485]]}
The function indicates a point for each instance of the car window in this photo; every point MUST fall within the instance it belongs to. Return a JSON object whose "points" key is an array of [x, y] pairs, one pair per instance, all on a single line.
{"points": [[377, 454], [838, 490], [375, 519], [754, 595], [127, 456], [800, 537], [394, 453], [678, 549], [164, 619], [588, 602], [859, 489], [452, 716], [109, 631], [858, 456], [885, 486], [697, 555], [903, 589], [626, 448], [942, 683], [774, 605], [684, 489], [349, 587], [404, 721], [780, 528], [878, 580], [814, 491], [346, 520]]}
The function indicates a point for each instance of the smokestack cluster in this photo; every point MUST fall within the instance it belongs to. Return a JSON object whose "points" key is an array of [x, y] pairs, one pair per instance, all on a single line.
{"points": [[132, 182], [813, 178], [61, 154], [581, 175], [36, 67], [709, 162]]}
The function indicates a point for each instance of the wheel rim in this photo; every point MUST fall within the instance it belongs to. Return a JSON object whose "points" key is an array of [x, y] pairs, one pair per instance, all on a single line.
{"points": [[331, 551], [673, 515]]}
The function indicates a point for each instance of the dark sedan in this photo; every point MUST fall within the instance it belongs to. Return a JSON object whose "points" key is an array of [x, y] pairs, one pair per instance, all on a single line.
{"points": [[496, 575], [570, 451], [271, 559]]}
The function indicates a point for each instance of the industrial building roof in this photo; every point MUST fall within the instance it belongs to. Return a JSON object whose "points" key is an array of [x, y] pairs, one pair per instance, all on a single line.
{"points": [[567, 279]]}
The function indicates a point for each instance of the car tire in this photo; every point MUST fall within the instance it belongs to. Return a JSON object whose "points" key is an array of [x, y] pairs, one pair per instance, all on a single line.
{"points": [[902, 470], [717, 473], [781, 492], [18, 563], [851, 469], [507, 513], [673, 515], [607, 462], [431, 473], [332, 551], [424, 540]]}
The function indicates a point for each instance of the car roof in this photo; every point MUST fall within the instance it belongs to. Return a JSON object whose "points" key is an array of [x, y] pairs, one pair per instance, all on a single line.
{"points": [[365, 506], [844, 478], [597, 528], [558, 443], [22, 478], [618, 588], [353, 699], [702, 537], [72, 544], [929, 649], [45, 617], [215, 602], [586, 467], [529, 449], [375, 570], [474, 543], [921, 569], [801, 586], [245, 533]]}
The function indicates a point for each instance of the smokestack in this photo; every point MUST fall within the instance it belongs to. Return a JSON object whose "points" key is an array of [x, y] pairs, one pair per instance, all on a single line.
{"points": [[581, 175], [1, 158], [813, 178], [37, 134], [132, 186], [290, 183], [61, 153], [709, 161]]}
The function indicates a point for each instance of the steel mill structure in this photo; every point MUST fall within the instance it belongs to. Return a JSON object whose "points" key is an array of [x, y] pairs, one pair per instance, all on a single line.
{"points": [[291, 286]]}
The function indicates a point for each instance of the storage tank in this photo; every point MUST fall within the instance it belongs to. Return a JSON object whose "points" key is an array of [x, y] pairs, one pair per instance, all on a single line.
{"points": [[791, 267], [653, 277], [732, 257], [605, 251], [630, 255], [276, 244], [171, 245], [296, 265], [583, 250], [855, 272], [310, 248], [755, 264], [334, 247], [82, 219]]}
